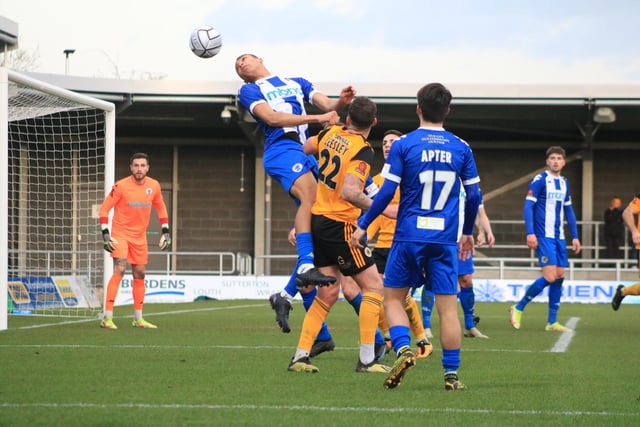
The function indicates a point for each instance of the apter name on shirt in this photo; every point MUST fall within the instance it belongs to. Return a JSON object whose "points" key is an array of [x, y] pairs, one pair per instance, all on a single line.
{"points": [[436, 156]]}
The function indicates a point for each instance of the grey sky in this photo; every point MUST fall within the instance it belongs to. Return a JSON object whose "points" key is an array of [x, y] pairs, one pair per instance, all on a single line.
{"points": [[350, 41]]}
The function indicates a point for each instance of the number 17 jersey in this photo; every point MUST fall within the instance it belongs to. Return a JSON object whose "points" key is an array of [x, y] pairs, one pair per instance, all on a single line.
{"points": [[430, 164]]}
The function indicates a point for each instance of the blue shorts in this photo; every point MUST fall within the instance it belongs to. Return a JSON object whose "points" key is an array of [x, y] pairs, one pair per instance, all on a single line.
{"points": [[465, 267], [285, 162], [412, 264], [552, 252]]}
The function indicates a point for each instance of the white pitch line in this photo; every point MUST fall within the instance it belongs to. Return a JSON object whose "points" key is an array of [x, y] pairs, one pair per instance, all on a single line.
{"points": [[322, 409], [565, 337], [162, 313], [226, 347]]}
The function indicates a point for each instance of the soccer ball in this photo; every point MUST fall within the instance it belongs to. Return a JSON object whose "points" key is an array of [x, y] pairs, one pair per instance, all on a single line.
{"points": [[205, 42]]}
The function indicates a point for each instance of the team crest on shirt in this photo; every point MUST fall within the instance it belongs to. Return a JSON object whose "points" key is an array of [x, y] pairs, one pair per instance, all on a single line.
{"points": [[297, 167], [362, 168], [148, 191]]}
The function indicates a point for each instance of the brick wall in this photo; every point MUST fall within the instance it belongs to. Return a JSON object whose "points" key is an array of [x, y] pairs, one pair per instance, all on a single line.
{"points": [[213, 215]]}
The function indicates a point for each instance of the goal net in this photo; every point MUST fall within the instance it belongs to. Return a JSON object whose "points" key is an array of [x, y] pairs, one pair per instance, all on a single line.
{"points": [[57, 157]]}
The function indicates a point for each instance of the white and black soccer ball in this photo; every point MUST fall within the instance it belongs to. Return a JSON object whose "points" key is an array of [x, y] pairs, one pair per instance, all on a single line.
{"points": [[205, 42]]}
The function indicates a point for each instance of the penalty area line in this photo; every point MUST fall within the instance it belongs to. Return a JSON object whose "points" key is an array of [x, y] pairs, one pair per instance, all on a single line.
{"points": [[321, 409], [565, 337], [160, 313]]}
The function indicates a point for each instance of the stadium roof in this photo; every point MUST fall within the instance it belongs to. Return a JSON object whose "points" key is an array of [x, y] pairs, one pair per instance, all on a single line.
{"points": [[492, 116], [8, 34]]}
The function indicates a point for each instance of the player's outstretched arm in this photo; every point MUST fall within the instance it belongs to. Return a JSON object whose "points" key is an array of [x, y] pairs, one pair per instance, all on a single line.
{"points": [[280, 119], [326, 104]]}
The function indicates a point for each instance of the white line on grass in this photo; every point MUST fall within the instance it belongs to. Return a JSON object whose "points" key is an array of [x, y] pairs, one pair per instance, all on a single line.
{"points": [[162, 313], [228, 347], [565, 337], [241, 407]]}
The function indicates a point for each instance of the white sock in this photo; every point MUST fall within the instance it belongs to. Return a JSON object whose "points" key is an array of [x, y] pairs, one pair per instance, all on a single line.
{"points": [[137, 314], [284, 294], [304, 268], [300, 354], [367, 353]]}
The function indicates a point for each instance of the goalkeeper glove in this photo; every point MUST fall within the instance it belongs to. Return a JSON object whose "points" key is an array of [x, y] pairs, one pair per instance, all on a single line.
{"points": [[108, 242], [165, 240]]}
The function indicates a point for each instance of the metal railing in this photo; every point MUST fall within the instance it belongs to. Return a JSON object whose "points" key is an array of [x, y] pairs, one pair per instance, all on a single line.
{"points": [[229, 263], [241, 263], [579, 269], [51, 263], [592, 228], [588, 265], [512, 267], [222, 263]]}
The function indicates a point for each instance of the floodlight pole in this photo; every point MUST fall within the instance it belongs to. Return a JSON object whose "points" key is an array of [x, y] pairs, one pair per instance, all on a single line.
{"points": [[67, 52]]}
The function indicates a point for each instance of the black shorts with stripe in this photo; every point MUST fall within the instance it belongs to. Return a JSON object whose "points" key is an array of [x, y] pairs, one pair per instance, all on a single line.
{"points": [[380, 256], [331, 246]]}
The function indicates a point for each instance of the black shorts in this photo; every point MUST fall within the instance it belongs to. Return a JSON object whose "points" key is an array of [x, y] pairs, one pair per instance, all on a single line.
{"points": [[331, 246], [380, 256]]}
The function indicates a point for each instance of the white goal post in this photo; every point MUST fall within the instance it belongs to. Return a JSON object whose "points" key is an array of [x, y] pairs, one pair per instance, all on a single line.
{"points": [[57, 150]]}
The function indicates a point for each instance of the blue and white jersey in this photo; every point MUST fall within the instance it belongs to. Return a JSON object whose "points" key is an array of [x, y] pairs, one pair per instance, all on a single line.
{"points": [[463, 200], [285, 95], [550, 196], [370, 187], [431, 165]]}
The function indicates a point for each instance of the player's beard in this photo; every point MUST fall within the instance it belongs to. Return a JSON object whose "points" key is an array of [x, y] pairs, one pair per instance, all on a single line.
{"points": [[139, 176]]}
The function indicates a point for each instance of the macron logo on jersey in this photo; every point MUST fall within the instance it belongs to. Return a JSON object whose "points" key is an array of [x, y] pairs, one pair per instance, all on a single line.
{"points": [[139, 205], [556, 195], [283, 92]]}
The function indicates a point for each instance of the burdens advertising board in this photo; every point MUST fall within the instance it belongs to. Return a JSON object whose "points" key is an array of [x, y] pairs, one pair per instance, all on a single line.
{"points": [[173, 289]]}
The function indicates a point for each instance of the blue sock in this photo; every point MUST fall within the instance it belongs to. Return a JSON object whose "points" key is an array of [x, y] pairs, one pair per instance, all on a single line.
{"points": [[427, 300], [450, 360], [304, 244], [355, 303], [467, 301], [532, 291], [307, 300], [399, 337], [291, 288], [555, 293]]}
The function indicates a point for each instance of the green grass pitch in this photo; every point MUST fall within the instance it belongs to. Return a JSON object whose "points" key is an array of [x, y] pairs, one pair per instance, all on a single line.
{"points": [[225, 363]]}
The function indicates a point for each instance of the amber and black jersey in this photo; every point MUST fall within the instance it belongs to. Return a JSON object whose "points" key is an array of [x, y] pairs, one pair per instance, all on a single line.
{"points": [[340, 152]]}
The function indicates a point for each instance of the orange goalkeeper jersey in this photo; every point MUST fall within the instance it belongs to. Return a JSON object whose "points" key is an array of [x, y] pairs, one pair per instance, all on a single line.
{"points": [[132, 204], [386, 226], [340, 152]]}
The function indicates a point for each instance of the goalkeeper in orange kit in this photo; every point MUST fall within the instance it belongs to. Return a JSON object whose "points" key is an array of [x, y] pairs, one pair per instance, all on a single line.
{"points": [[131, 198]]}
